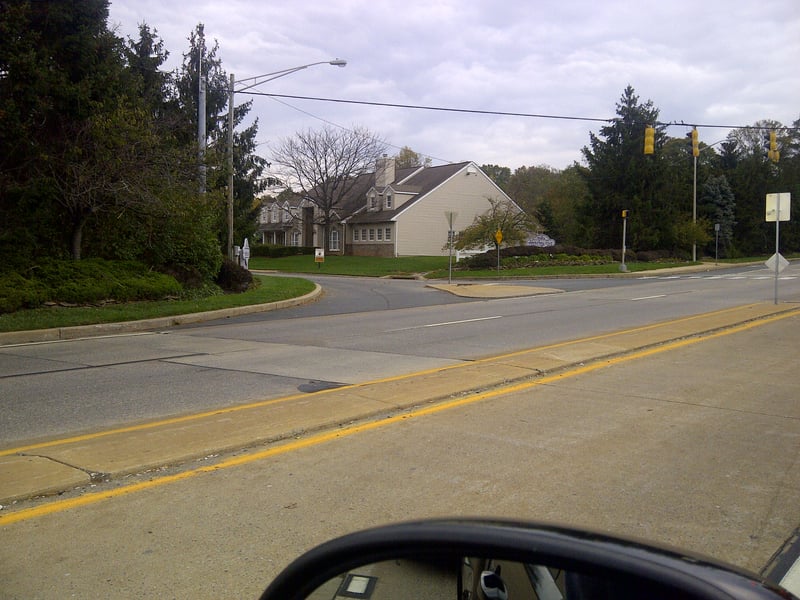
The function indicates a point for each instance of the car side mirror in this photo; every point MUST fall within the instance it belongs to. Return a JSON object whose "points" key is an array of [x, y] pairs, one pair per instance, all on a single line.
{"points": [[482, 560]]}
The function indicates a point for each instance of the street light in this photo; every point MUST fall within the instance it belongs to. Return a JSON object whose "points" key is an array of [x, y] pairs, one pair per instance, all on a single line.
{"points": [[257, 80]]}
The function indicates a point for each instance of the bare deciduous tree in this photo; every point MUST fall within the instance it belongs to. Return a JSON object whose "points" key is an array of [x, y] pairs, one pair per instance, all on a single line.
{"points": [[324, 165]]}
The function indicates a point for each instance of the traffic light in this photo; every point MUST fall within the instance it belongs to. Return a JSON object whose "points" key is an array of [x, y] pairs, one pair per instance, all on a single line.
{"points": [[773, 153], [649, 139], [624, 214], [695, 143]]}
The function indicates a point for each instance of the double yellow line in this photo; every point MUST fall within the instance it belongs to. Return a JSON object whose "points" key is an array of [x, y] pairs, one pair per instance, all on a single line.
{"points": [[7, 518]]}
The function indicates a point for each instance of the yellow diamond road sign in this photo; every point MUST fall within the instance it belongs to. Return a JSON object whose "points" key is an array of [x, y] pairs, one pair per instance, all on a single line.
{"points": [[498, 236]]}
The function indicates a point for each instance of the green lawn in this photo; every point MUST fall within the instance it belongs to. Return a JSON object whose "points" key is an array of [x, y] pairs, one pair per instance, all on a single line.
{"points": [[272, 289], [365, 266]]}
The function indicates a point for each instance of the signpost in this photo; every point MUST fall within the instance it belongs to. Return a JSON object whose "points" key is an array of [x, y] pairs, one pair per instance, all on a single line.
{"points": [[779, 208], [319, 256], [498, 237], [451, 217], [622, 266]]}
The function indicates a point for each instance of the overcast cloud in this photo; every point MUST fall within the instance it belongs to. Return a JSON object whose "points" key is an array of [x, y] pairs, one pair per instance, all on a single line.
{"points": [[723, 62]]}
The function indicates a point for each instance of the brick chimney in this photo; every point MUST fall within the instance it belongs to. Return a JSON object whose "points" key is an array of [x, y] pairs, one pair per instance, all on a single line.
{"points": [[384, 171]]}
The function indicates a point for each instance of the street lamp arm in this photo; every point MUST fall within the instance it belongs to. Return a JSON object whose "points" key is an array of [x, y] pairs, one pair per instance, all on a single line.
{"points": [[259, 79]]}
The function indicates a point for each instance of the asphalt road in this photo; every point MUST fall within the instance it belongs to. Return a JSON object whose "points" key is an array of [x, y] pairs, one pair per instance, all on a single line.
{"points": [[694, 444], [359, 331]]}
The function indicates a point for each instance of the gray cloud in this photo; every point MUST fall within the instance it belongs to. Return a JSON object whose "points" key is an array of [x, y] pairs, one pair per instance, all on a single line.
{"points": [[718, 62]]}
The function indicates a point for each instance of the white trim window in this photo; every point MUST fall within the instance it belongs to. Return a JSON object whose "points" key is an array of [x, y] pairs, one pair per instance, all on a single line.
{"points": [[371, 235], [388, 201], [388, 234], [295, 238], [334, 239], [355, 235], [380, 234]]}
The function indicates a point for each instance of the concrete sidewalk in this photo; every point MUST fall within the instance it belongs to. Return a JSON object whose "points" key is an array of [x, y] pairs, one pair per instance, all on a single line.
{"points": [[60, 465]]}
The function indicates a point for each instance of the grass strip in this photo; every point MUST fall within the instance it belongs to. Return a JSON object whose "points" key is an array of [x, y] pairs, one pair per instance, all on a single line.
{"points": [[272, 289]]}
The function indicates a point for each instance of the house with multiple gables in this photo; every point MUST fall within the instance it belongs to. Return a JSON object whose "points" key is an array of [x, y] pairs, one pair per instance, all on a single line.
{"points": [[391, 212]]}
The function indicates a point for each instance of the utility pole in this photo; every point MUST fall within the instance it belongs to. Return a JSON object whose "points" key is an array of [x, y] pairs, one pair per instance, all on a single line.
{"points": [[201, 121], [230, 166]]}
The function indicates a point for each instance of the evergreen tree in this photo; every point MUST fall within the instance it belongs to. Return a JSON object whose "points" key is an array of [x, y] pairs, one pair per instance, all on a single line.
{"points": [[716, 203], [620, 176]]}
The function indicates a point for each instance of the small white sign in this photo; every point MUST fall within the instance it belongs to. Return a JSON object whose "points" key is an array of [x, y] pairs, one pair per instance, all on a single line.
{"points": [[782, 263], [784, 200], [319, 255]]}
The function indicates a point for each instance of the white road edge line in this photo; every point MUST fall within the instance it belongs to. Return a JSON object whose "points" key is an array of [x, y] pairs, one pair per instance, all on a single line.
{"points": [[444, 323], [648, 297]]}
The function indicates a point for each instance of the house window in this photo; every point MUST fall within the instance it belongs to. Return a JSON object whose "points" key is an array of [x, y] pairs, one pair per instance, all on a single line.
{"points": [[380, 235], [371, 235], [295, 238], [355, 235], [373, 201], [286, 215], [273, 216], [388, 201], [388, 235], [364, 235], [334, 239]]}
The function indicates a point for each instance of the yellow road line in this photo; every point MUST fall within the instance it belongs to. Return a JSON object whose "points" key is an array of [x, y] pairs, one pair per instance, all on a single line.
{"points": [[268, 402], [324, 437]]}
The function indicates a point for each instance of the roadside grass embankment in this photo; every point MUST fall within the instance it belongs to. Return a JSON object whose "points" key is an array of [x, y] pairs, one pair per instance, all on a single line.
{"points": [[271, 289]]}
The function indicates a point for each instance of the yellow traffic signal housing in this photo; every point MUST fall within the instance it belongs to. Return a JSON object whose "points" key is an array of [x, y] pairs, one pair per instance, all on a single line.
{"points": [[695, 143], [773, 153], [649, 139], [624, 214]]}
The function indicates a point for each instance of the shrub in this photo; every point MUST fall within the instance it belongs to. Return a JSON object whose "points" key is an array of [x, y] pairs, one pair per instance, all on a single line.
{"points": [[233, 277], [272, 251], [88, 281]]}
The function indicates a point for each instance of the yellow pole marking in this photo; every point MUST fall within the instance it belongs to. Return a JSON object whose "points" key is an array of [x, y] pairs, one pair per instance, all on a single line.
{"points": [[321, 438]]}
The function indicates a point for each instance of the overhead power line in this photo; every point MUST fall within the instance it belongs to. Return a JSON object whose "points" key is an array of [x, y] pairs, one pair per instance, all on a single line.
{"points": [[508, 114]]}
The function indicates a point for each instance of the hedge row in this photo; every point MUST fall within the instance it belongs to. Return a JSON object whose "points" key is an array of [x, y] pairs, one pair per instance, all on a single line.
{"points": [[270, 251], [560, 254]]}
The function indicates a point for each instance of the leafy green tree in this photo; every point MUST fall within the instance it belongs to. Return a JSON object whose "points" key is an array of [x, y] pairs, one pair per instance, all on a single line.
{"points": [[407, 159], [500, 175], [504, 216], [62, 78], [558, 208], [620, 176]]}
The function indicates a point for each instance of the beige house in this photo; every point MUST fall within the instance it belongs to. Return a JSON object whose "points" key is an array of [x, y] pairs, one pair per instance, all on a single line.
{"points": [[391, 212]]}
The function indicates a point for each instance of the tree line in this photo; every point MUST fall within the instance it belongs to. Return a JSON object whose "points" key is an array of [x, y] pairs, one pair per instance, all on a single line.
{"points": [[99, 151], [581, 205]]}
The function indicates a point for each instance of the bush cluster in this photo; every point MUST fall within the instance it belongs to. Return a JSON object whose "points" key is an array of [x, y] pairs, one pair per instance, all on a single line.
{"points": [[233, 277], [558, 255], [89, 281]]}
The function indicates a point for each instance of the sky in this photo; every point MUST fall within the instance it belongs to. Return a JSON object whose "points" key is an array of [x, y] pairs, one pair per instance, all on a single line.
{"points": [[716, 62]]}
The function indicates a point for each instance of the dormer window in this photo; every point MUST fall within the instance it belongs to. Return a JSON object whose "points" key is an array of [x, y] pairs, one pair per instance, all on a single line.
{"points": [[373, 202], [388, 201]]}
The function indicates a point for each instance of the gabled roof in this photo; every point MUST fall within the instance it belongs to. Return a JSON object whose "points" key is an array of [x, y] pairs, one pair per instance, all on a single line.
{"points": [[419, 181]]}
